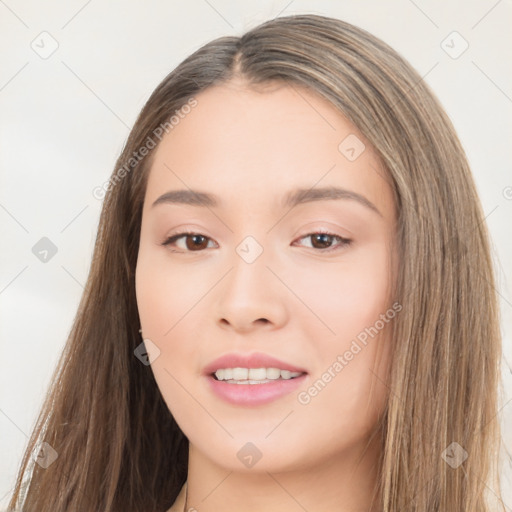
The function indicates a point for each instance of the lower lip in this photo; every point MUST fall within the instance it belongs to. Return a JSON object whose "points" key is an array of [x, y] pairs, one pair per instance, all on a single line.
{"points": [[254, 394]]}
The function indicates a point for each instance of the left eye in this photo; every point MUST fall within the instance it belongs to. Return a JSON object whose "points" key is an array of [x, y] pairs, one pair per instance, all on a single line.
{"points": [[195, 242], [324, 241]]}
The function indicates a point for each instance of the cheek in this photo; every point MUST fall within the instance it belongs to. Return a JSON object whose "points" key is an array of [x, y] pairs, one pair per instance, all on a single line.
{"points": [[347, 296], [354, 358], [166, 297], [345, 406], [166, 293], [163, 300]]}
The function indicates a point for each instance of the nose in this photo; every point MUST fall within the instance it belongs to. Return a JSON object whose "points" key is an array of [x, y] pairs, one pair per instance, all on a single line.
{"points": [[250, 297]]}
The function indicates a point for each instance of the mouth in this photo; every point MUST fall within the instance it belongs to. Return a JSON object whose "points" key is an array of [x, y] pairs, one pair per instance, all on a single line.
{"points": [[251, 379], [254, 376]]}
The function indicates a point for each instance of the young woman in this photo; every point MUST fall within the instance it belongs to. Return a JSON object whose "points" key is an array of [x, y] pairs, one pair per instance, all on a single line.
{"points": [[291, 303]]}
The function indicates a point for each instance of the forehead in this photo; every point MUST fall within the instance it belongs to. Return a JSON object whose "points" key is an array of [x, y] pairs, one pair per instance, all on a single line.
{"points": [[255, 145]]}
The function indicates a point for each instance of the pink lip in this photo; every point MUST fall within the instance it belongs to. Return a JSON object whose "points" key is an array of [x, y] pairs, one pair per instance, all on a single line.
{"points": [[252, 394], [255, 360]]}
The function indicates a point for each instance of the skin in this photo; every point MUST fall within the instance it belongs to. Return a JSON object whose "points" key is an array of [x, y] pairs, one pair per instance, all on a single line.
{"points": [[295, 302]]}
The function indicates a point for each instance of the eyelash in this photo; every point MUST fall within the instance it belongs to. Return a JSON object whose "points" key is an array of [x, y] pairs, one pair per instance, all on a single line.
{"points": [[343, 242]]}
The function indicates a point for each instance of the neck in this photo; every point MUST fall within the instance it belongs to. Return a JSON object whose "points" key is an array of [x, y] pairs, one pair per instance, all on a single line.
{"points": [[344, 483]]}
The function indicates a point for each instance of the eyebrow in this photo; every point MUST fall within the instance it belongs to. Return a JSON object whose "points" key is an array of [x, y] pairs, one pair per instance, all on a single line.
{"points": [[293, 198]]}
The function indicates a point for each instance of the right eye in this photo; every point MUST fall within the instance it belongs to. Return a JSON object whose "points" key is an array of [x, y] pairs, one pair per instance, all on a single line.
{"points": [[194, 242]]}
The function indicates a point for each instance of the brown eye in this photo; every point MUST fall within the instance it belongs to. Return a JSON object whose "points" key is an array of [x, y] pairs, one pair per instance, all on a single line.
{"points": [[324, 241], [194, 242]]}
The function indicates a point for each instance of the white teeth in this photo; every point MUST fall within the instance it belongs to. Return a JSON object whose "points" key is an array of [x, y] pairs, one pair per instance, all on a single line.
{"points": [[257, 373], [225, 374], [254, 375], [240, 373], [285, 374], [273, 373]]}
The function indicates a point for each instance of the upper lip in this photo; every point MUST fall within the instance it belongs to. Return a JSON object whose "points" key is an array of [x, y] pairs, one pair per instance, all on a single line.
{"points": [[254, 360]]}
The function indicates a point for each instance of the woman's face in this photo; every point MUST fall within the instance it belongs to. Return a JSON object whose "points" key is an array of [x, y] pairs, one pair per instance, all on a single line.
{"points": [[260, 284]]}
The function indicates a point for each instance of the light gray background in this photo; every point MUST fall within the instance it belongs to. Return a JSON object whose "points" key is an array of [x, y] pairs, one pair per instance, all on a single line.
{"points": [[64, 119]]}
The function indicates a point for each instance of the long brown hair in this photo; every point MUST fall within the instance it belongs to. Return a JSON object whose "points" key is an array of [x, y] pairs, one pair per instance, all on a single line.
{"points": [[118, 445]]}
